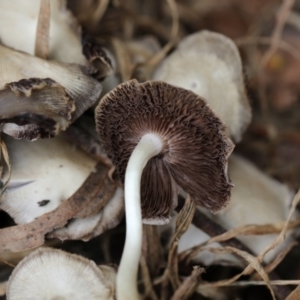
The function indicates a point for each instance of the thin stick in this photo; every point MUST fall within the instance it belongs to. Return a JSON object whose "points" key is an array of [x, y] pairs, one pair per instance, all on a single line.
{"points": [[174, 31], [248, 283], [282, 17], [43, 30]]}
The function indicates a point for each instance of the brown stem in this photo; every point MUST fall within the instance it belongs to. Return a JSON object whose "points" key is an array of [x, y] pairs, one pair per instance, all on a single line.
{"points": [[43, 30]]}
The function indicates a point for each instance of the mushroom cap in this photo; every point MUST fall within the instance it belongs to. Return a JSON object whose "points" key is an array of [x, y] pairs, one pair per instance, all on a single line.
{"points": [[21, 18], [33, 108], [86, 228], [209, 64], [44, 174], [16, 66], [39, 98], [48, 274], [195, 145]]}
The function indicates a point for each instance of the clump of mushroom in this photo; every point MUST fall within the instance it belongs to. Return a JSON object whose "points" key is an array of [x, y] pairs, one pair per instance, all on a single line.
{"points": [[50, 95], [53, 274], [209, 64], [45, 24], [161, 137], [42, 97], [51, 173]]}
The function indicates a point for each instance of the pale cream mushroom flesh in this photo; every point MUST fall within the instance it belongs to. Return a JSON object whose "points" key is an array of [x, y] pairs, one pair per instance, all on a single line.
{"points": [[256, 199], [209, 64], [50, 173], [48, 274], [21, 17], [42, 97], [94, 225]]}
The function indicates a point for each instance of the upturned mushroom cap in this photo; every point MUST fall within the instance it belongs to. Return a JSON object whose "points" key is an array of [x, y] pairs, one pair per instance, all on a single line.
{"points": [[87, 228], [44, 174], [39, 98], [21, 18], [48, 274], [195, 145], [209, 64], [33, 108]]}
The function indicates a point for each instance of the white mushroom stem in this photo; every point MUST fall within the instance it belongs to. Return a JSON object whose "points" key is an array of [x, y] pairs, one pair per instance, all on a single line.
{"points": [[149, 146]]}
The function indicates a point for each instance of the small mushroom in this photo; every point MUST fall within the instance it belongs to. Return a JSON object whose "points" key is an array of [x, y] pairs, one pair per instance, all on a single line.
{"points": [[23, 21], [42, 97], [53, 170], [209, 64], [85, 229], [54, 274], [160, 137]]}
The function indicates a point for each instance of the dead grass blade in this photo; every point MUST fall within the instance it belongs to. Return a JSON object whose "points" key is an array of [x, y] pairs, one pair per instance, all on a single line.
{"points": [[189, 285], [280, 238], [173, 36], [99, 12], [253, 262], [258, 40], [5, 155], [43, 30], [31, 235], [152, 249], [3, 288], [280, 227], [294, 295], [125, 66], [149, 291], [183, 222], [282, 17], [256, 282], [279, 258]]}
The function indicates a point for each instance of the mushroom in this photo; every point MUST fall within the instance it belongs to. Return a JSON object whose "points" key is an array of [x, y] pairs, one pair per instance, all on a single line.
{"points": [[85, 229], [22, 20], [163, 137], [52, 171], [209, 64], [54, 274], [41, 97]]}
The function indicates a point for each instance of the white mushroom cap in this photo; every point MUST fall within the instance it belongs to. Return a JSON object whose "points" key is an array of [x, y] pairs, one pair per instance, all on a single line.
{"points": [[18, 23], [87, 228], [209, 64], [49, 169], [48, 274], [80, 87], [256, 199]]}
